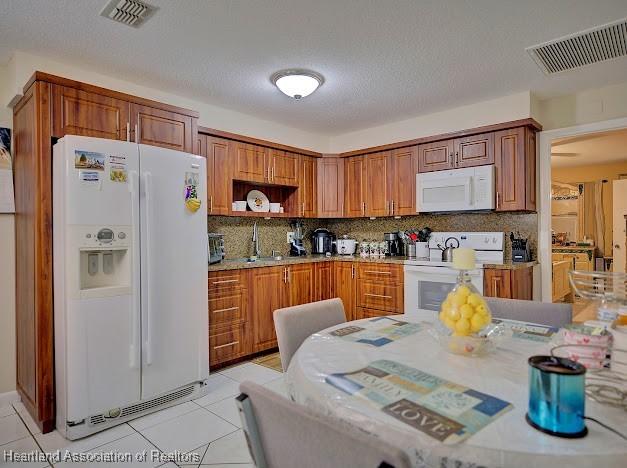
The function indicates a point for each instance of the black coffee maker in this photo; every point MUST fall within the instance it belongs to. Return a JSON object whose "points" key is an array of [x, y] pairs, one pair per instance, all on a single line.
{"points": [[322, 241], [394, 246]]}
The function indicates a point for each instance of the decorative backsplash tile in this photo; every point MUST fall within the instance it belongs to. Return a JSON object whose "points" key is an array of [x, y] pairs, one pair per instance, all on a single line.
{"points": [[272, 232]]}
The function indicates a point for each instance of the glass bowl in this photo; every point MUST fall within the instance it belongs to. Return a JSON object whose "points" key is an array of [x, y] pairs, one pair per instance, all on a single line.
{"points": [[473, 345]]}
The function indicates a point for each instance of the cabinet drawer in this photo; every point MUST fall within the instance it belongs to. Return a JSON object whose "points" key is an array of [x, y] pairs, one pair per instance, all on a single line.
{"points": [[380, 272], [226, 346], [380, 296], [364, 313], [221, 280], [227, 308]]}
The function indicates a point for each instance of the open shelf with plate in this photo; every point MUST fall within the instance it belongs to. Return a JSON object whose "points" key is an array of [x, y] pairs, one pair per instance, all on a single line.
{"points": [[287, 196]]}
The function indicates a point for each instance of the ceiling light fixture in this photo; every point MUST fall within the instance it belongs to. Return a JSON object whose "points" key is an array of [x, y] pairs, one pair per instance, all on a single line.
{"points": [[297, 83]]}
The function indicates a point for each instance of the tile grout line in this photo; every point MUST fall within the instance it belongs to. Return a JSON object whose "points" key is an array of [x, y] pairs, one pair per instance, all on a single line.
{"points": [[31, 434]]}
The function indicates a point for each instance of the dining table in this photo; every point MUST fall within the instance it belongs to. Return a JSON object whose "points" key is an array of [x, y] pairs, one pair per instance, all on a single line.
{"points": [[329, 356]]}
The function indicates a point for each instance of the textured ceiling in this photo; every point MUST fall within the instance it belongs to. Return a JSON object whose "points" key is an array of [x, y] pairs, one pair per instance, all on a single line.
{"points": [[383, 60], [597, 148]]}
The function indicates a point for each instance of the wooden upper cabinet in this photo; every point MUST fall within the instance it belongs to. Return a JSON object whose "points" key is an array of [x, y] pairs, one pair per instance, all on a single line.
{"points": [[509, 159], [437, 156], [76, 112], [283, 168], [475, 150], [378, 181], [355, 186], [330, 176], [403, 185], [219, 186], [250, 162], [530, 170], [307, 194], [158, 127]]}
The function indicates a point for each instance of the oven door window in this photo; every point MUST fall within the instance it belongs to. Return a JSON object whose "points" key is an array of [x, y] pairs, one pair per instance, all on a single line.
{"points": [[431, 294]]}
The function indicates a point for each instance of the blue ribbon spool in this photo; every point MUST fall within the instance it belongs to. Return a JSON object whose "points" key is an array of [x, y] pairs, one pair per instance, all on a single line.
{"points": [[557, 396]]}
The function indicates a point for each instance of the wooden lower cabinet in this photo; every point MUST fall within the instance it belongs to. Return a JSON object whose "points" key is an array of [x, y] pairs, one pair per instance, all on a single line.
{"points": [[379, 287], [508, 284], [325, 284], [300, 281], [345, 286], [363, 313], [268, 293]]}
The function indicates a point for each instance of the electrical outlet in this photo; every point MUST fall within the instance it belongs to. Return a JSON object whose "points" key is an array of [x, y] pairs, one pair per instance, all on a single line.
{"points": [[290, 237]]}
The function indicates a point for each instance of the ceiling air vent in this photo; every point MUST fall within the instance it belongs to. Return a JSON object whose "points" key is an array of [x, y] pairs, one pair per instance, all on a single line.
{"points": [[129, 12], [583, 48]]}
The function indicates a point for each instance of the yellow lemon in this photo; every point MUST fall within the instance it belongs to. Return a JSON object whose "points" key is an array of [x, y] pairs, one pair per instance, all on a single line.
{"points": [[449, 323], [458, 300], [453, 314], [481, 309], [467, 311], [475, 300], [462, 326], [477, 322], [463, 290]]}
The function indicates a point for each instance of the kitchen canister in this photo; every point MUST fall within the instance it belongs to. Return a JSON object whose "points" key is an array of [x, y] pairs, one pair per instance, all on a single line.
{"points": [[557, 396]]}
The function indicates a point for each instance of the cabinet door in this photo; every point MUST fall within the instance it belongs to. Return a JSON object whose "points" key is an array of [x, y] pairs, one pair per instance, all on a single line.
{"points": [[476, 150], [345, 287], [522, 283], [496, 283], [354, 187], [437, 156], [509, 160], [324, 286], [250, 162], [219, 186], [283, 168], [307, 189], [157, 127], [530, 169], [330, 175], [76, 112], [403, 184], [301, 283], [378, 177], [268, 294]]}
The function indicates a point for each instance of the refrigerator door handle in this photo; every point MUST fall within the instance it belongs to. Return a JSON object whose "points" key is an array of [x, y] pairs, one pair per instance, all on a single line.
{"points": [[135, 318], [146, 275]]}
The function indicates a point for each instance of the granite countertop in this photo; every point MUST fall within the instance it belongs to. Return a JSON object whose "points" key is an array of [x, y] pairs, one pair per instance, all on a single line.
{"points": [[238, 264]]}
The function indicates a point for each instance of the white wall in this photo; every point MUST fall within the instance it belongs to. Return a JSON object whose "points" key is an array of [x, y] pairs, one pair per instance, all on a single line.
{"points": [[503, 109], [7, 276], [591, 105], [22, 66]]}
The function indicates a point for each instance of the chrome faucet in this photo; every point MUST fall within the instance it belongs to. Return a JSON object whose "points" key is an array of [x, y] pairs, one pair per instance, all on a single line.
{"points": [[255, 240]]}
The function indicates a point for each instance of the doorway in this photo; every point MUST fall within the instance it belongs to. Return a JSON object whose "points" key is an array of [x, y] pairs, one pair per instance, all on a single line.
{"points": [[579, 167]]}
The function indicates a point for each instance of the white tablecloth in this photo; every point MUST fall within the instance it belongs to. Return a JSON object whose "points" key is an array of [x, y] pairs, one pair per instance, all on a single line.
{"points": [[507, 441]]}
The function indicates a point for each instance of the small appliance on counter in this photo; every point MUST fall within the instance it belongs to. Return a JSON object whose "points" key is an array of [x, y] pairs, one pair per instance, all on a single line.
{"points": [[394, 246], [520, 248], [215, 247], [322, 241], [297, 248], [346, 246]]}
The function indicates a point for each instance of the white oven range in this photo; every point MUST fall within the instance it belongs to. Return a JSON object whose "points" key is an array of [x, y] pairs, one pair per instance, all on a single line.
{"points": [[429, 280]]}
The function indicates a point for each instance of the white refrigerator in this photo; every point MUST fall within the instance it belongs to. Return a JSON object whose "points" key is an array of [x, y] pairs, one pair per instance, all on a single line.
{"points": [[130, 281]]}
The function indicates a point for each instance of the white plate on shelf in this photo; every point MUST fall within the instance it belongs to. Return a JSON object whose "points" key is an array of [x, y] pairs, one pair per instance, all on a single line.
{"points": [[258, 201]]}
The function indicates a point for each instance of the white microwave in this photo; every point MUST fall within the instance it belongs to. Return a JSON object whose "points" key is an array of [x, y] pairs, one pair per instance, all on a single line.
{"points": [[466, 189]]}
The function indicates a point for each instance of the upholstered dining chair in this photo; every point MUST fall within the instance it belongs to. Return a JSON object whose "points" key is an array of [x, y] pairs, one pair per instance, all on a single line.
{"points": [[284, 434], [544, 313], [294, 324]]}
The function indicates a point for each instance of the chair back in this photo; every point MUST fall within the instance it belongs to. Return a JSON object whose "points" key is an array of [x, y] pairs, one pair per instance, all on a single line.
{"points": [[284, 434], [544, 313], [294, 324]]}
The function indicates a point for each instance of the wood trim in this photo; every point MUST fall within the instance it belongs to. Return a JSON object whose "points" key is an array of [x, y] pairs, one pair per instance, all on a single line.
{"points": [[257, 141], [446, 136], [47, 77]]}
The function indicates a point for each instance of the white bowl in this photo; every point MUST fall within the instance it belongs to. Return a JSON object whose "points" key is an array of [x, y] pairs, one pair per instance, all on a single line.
{"points": [[275, 207], [239, 205]]}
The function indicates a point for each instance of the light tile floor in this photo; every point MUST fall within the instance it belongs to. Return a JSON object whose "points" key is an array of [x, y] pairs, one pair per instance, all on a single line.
{"points": [[208, 427]]}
